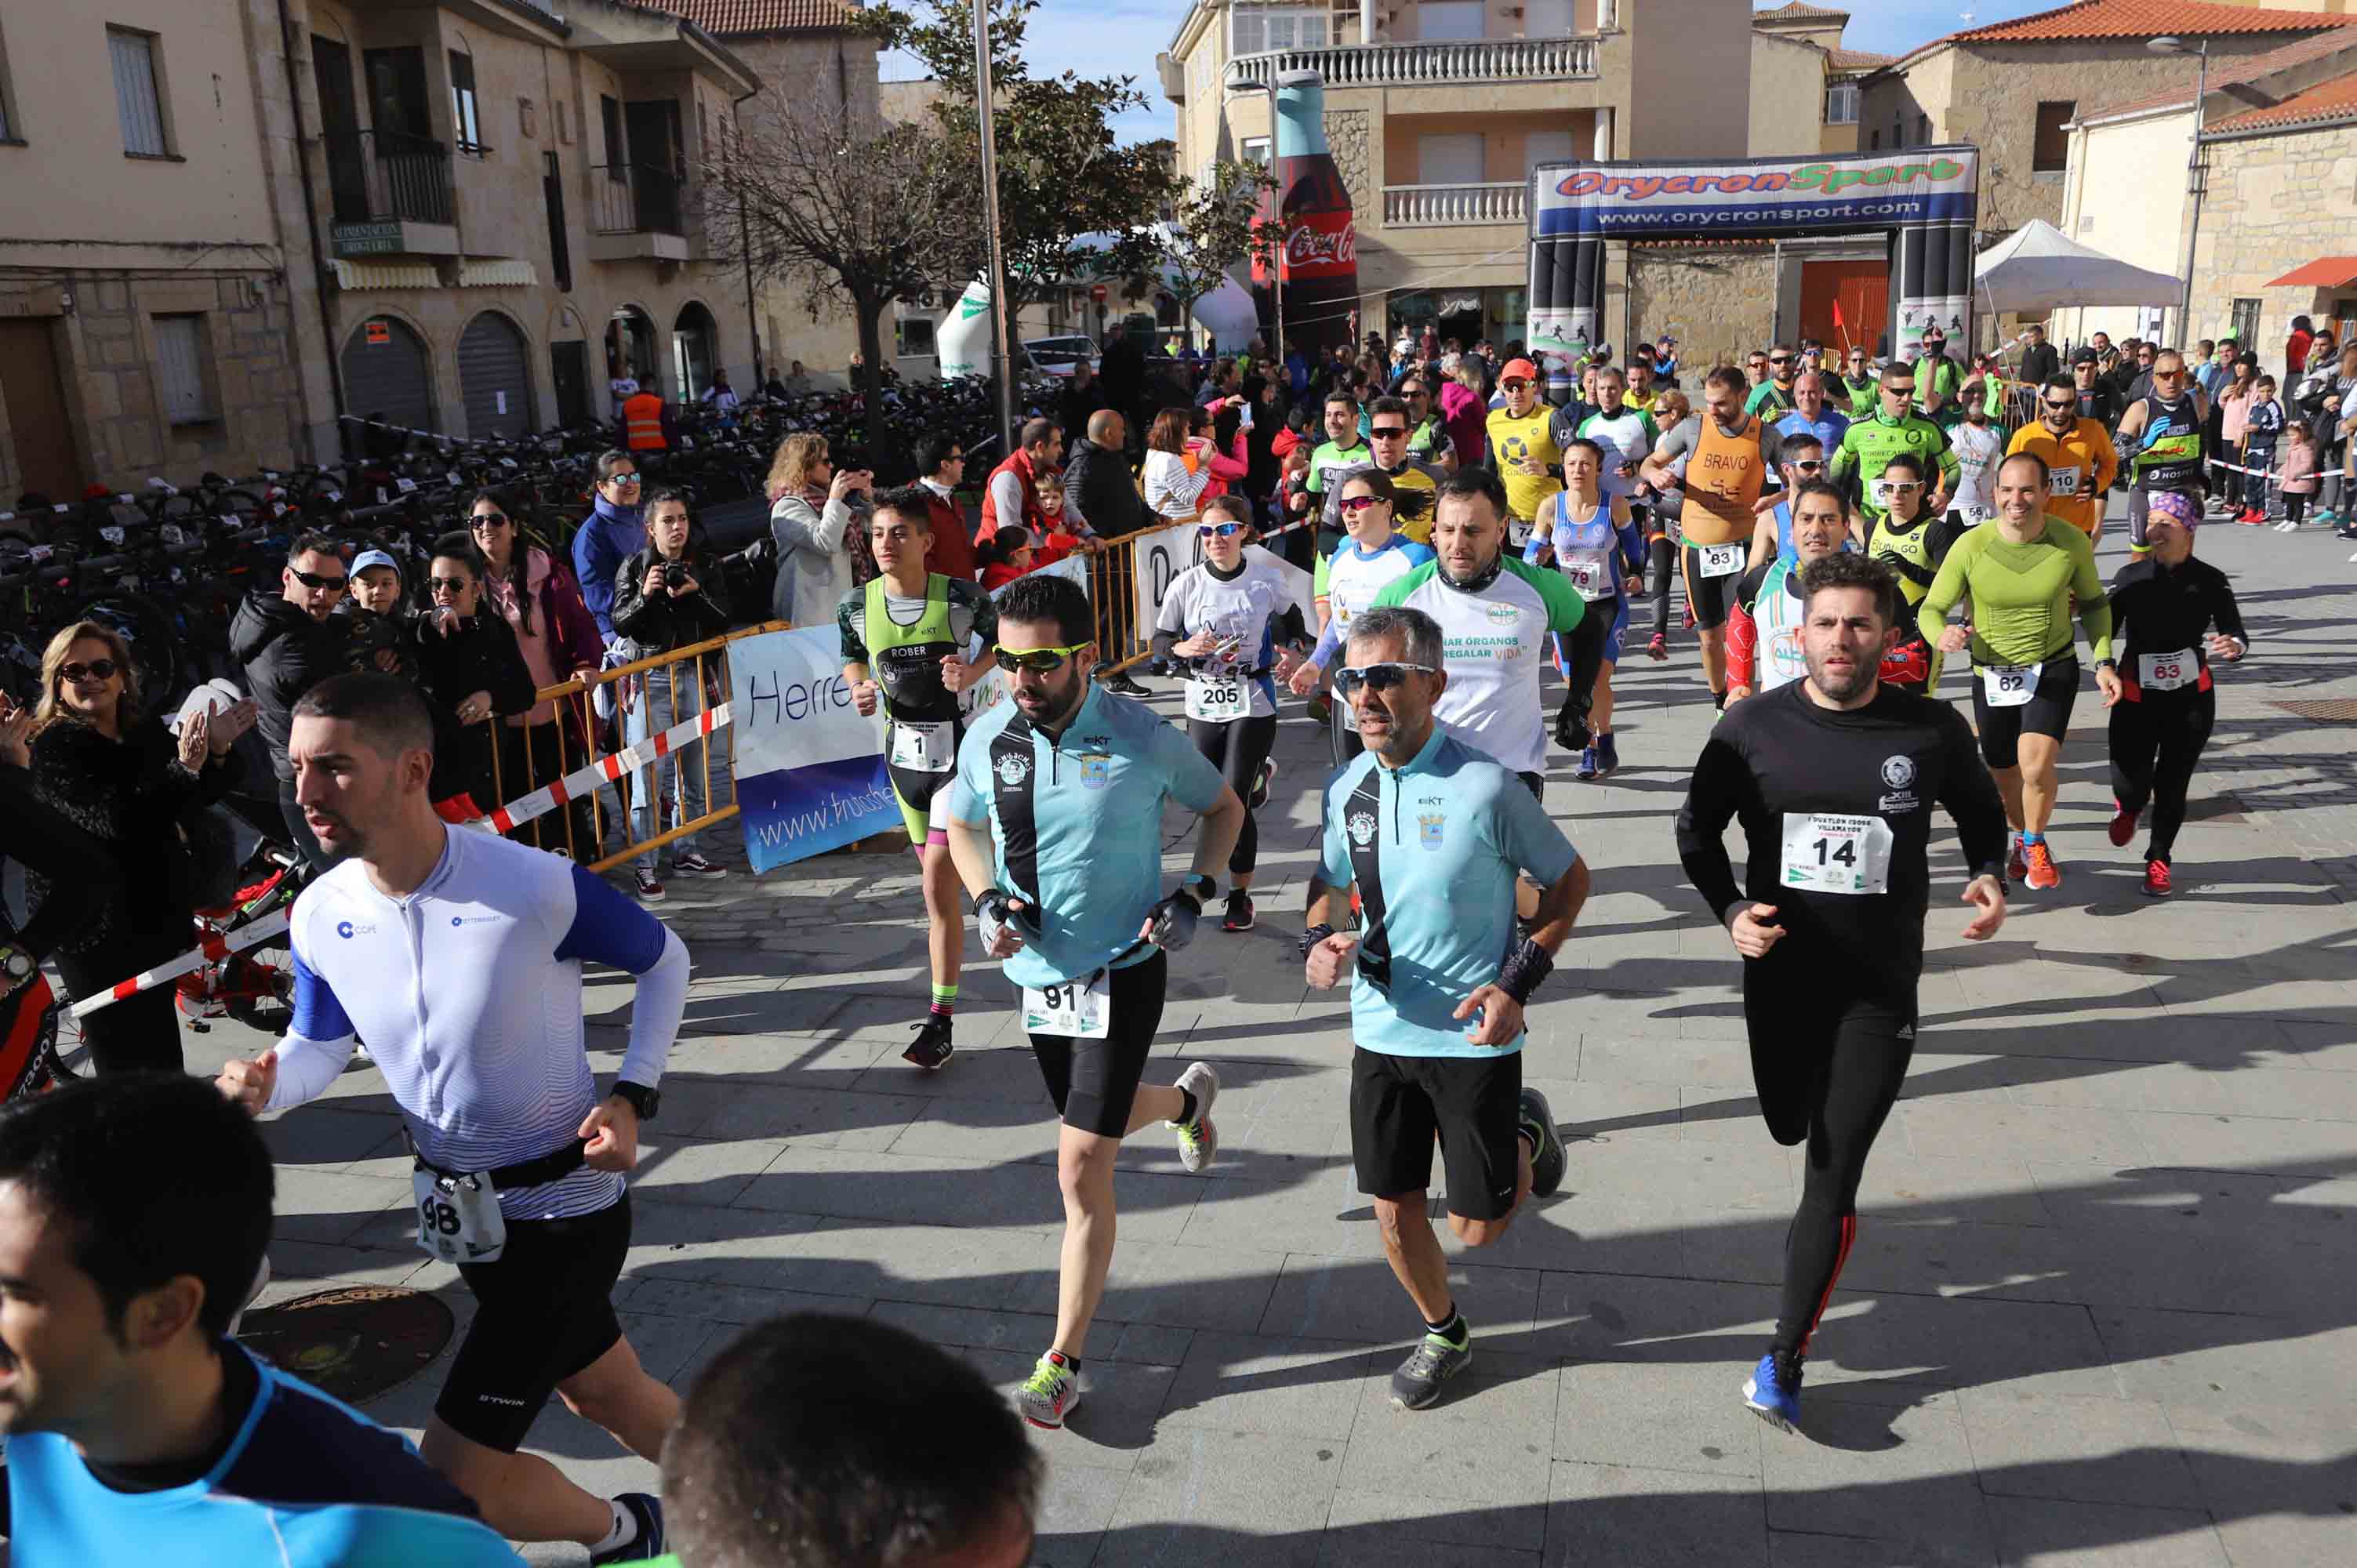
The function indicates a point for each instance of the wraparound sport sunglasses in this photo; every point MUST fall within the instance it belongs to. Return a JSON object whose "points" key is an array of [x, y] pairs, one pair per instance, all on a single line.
{"points": [[1039, 661], [1377, 678]]}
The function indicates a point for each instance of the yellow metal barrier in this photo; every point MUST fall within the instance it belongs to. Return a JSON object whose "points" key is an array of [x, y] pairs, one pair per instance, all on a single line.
{"points": [[650, 695]]}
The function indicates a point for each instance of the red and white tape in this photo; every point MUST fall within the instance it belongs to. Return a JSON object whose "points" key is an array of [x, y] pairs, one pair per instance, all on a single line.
{"points": [[575, 785]]}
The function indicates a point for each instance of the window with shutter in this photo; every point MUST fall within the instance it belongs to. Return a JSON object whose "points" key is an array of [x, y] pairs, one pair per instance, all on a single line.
{"points": [[465, 116], [180, 343], [135, 99]]}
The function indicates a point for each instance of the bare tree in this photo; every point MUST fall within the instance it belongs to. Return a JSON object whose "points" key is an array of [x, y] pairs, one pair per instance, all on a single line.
{"points": [[1214, 227], [861, 213]]}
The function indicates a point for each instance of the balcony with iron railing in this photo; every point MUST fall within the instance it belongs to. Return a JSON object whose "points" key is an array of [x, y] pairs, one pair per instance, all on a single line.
{"points": [[389, 195], [1428, 64], [637, 213]]}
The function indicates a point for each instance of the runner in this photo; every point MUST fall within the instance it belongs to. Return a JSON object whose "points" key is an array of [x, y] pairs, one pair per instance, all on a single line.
{"points": [[2162, 604], [1495, 613], [2078, 454], [1219, 622], [520, 1163], [1773, 397], [1430, 834], [1347, 583], [1800, 460], [138, 1430], [2161, 437], [1592, 542], [1625, 435], [1856, 391], [1665, 490], [1764, 629], [1065, 883], [1831, 776], [1522, 448], [1912, 542], [1415, 483], [1976, 444], [1430, 442], [904, 639], [1342, 451], [1730, 455], [1895, 427], [2028, 573]]}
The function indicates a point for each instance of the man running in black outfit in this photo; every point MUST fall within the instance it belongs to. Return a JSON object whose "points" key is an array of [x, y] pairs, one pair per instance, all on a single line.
{"points": [[1832, 777]]}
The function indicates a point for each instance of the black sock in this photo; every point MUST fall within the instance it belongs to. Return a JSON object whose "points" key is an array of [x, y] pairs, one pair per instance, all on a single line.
{"points": [[1187, 1107], [1451, 1328], [1719, 701]]}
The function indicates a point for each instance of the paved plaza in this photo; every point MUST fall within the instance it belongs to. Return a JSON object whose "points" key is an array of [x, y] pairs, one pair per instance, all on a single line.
{"points": [[2102, 1309]]}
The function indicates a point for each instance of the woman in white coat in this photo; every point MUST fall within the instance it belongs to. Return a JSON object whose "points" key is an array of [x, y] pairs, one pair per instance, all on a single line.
{"points": [[815, 521]]}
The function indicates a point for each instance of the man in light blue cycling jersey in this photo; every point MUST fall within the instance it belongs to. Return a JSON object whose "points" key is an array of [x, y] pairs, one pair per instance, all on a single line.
{"points": [[1055, 823], [1432, 833]]}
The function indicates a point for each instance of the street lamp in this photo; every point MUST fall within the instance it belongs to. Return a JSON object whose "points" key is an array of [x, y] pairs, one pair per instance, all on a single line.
{"points": [[1276, 262], [2171, 45], [986, 99]]}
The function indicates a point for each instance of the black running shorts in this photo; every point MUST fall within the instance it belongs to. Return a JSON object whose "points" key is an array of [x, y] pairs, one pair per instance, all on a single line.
{"points": [[544, 1311], [2047, 713], [1710, 598], [1398, 1102], [1095, 1082]]}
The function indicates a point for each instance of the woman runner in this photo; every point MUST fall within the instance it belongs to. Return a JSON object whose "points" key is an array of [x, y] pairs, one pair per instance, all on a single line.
{"points": [[1592, 542], [1348, 581]]}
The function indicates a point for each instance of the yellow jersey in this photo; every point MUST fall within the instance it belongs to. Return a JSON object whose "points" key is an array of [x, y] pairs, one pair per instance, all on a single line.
{"points": [[1512, 440]]}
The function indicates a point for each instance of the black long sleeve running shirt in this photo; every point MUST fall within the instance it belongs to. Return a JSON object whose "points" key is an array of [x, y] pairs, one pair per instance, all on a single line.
{"points": [[2166, 610]]}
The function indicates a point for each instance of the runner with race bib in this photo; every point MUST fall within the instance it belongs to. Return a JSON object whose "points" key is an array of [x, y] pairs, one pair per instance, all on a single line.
{"points": [[1054, 822], [2027, 574], [1834, 777], [1729, 456], [2080, 463], [1522, 448], [1348, 581], [1219, 621], [2161, 437], [1910, 539], [1594, 544], [2172, 615], [904, 639]]}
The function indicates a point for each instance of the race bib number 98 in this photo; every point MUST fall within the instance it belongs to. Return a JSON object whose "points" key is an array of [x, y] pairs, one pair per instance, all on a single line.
{"points": [[1827, 853]]}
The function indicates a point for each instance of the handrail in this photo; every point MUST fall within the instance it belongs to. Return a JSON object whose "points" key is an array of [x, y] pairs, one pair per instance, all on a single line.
{"points": [[1439, 62]]}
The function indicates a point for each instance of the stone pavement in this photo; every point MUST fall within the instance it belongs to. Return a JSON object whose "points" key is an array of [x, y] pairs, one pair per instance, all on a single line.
{"points": [[2101, 1308]]}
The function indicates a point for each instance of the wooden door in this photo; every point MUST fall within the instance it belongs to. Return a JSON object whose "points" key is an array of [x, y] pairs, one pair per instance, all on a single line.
{"points": [[1861, 292], [35, 399]]}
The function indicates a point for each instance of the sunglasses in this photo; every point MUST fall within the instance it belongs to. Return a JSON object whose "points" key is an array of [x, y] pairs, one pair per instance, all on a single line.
{"points": [[1779, 358], [1218, 529], [1353, 505], [623, 480], [1039, 661], [96, 670], [1517, 384], [2168, 375], [2063, 407], [1389, 432], [452, 586], [313, 580], [1901, 389], [1377, 678], [1809, 467], [1898, 486], [487, 519]]}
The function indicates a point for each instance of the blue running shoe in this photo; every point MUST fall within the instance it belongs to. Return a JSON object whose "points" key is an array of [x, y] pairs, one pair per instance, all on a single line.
{"points": [[1774, 1391], [1586, 768], [647, 1545], [1607, 756]]}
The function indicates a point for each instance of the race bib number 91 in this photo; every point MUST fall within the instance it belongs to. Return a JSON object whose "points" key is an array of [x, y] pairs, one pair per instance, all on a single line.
{"points": [[1826, 854], [1072, 1007]]}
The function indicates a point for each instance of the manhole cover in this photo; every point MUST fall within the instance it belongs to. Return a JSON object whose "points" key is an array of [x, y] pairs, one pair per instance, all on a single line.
{"points": [[2322, 710], [355, 1342]]}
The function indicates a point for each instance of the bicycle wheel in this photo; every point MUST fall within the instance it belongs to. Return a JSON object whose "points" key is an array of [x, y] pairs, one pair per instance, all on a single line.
{"points": [[258, 988]]}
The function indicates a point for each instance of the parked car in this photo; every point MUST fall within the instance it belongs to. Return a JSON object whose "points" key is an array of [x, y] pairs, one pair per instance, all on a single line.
{"points": [[1057, 356]]}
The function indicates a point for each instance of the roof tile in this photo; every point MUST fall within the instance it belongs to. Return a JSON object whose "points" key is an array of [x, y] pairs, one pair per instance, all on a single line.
{"points": [[727, 18], [2335, 99], [1796, 12], [2231, 72], [2146, 18]]}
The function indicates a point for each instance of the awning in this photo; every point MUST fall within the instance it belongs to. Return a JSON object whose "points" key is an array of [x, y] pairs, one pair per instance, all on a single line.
{"points": [[497, 274], [357, 276], [2325, 272]]}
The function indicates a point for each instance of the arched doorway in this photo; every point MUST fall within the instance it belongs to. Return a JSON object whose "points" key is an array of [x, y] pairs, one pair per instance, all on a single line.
{"points": [[695, 338], [495, 377], [386, 375], [630, 351]]}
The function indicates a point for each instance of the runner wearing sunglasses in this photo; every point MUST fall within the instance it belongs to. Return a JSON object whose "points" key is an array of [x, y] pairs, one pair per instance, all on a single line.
{"points": [[2080, 459], [2160, 435], [1587, 535], [1729, 454], [1431, 834], [1800, 460], [906, 636], [1869, 444], [1414, 482], [1912, 540], [1220, 621], [1347, 583], [1054, 822], [1523, 448]]}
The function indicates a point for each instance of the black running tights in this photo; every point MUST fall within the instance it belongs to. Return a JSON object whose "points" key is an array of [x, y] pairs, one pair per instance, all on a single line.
{"points": [[1237, 748], [2156, 743], [1661, 567]]}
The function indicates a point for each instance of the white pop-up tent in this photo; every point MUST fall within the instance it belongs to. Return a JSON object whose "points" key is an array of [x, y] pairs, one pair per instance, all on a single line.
{"points": [[2038, 268]]}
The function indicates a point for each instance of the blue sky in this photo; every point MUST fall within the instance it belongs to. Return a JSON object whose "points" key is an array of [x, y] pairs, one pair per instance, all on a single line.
{"points": [[1094, 39]]}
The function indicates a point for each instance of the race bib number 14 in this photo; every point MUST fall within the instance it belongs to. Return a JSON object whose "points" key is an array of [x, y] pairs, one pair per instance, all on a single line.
{"points": [[1827, 853]]}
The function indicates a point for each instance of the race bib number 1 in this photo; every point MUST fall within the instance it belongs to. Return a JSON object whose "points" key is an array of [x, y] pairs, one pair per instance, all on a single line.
{"points": [[2010, 685], [458, 1217], [1720, 560], [1216, 699], [1826, 854], [2167, 671], [924, 748], [1073, 1007]]}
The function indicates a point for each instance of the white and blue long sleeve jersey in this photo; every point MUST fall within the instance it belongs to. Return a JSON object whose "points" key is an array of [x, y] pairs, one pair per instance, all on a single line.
{"points": [[468, 995]]}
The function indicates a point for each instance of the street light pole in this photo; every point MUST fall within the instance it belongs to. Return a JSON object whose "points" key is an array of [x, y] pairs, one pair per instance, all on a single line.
{"points": [[2194, 179], [1002, 361]]}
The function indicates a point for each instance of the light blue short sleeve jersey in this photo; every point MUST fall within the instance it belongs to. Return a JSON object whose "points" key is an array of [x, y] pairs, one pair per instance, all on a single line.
{"points": [[1442, 838], [1076, 823]]}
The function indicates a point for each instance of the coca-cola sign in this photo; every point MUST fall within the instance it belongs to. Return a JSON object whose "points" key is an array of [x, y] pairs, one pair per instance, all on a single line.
{"points": [[1317, 246]]}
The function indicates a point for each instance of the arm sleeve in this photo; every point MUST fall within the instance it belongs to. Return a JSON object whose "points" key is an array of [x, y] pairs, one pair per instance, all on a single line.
{"points": [[1223, 467], [1969, 794], [1949, 464], [1632, 544], [1845, 456], [317, 1044], [1712, 795], [854, 652], [596, 576], [2224, 611], [1172, 618], [610, 929], [2095, 604], [1742, 639]]}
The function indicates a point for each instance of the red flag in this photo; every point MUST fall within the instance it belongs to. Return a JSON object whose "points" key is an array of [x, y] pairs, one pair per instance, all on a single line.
{"points": [[1838, 323]]}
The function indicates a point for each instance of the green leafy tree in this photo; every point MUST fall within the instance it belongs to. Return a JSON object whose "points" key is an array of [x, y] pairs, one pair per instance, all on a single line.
{"points": [[1215, 226]]}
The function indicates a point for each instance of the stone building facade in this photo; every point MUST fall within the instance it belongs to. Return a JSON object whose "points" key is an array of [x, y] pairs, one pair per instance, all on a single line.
{"points": [[2279, 202]]}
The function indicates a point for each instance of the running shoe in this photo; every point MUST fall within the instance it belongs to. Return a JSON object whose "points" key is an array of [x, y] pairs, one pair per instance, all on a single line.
{"points": [[2016, 868], [2251, 517], [2043, 873], [649, 890], [1260, 784], [2123, 823], [932, 1048], [1773, 1390], [1198, 1141], [1608, 757], [1537, 1117], [695, 865], [1239, 916], [1051, 1394], [2155, 879], [1658, 648], [1434, 1361], [1586, 768], [647, 1545]]}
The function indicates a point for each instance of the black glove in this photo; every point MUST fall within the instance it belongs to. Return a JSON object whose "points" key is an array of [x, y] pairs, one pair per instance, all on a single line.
{"points": [[1173, 921], [997, 909]]}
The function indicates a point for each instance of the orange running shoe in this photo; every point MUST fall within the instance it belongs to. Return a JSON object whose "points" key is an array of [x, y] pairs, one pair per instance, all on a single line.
{"points": [[2041, 872]]}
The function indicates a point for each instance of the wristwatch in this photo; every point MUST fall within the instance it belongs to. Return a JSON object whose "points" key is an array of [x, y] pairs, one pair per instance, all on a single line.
{"points": [[17, 966], [646, 1101], [1201, 886]]}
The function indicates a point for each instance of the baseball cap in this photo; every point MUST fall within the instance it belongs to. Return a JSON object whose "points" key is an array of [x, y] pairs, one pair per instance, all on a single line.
{"points": [[2086, 356], [1522, 367], [368, 558]]}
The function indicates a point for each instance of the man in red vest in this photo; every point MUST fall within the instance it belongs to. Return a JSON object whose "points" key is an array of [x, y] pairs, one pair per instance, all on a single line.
{"points": [[1012, 495], [646, 421]]}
